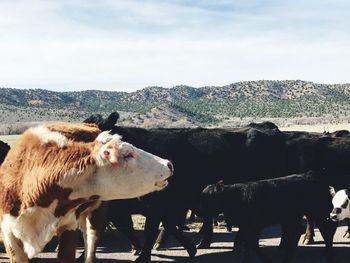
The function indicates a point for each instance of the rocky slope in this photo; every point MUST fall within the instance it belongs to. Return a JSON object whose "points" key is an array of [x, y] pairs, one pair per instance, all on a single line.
{"points": [[182, 105]]}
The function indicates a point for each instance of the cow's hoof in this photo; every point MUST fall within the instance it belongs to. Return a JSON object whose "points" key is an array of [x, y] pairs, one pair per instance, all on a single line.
{"points": [[191, 250], [308, 241], [81, 258], [185, 228], [346, 234], [204, 245], [143, 259], [157, 246], [136, 251]]}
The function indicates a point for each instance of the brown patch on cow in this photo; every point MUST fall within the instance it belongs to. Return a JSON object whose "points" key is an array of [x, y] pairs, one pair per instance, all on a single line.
{"points": [[64, 206], [86, 208], [32, 170], [82, 208], [82, 132]]}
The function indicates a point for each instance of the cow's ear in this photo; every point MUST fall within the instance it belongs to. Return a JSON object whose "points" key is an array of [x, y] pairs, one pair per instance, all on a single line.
{"points": [[332, 191], [347, 192], [111, 121], [219, 186], [113, 117]]}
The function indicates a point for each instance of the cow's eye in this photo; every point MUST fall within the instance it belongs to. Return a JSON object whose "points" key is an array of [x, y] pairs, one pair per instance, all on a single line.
{"points": [[345, 204], [129, 156]]}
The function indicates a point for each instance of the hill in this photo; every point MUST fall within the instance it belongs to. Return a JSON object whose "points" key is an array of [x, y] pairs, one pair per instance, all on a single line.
{"points": [[182, 105]]}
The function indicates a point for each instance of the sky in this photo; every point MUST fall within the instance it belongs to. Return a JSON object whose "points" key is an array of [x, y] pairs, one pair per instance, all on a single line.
{"points": [[125, 45]]}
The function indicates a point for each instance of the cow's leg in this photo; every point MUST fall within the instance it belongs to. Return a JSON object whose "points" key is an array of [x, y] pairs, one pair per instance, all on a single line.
{"points": [[66, 246], [91, 224], [178, 234], [309, 233], [283, 241], [123, 222], [164, 233], [327, 229], [151, 230], [248, 243], [215, 221], [83, 229], [238, 242], [192, 216], [229, 223], [292, 235], [207, 231], [347, 232], [250, 238], [14, 249], [161, 239], [94, 227]]}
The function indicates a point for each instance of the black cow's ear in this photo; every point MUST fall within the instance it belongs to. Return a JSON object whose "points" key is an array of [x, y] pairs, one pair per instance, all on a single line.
{"points": [[332, 191], [110, 122], [113, 117]]}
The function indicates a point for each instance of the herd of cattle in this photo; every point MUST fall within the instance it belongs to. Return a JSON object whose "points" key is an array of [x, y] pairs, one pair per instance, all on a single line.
{"points": [[60, 177]]}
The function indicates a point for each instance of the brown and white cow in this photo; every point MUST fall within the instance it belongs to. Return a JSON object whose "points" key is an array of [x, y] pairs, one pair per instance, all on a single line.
{"points": [[55, 171]]}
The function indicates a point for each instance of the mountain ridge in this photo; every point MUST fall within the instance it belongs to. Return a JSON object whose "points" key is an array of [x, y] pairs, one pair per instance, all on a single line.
{"points": [[208, 105]]}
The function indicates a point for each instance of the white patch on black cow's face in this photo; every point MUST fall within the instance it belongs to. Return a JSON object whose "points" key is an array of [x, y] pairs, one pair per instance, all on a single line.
{"points": [[341, 209]]}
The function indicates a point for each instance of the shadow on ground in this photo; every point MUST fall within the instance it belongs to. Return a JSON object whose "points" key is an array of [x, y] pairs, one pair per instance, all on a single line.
{"points": [[115, 248]]}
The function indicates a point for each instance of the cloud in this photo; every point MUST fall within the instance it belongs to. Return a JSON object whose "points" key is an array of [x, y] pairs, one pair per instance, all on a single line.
{"points": [[127, 45]]}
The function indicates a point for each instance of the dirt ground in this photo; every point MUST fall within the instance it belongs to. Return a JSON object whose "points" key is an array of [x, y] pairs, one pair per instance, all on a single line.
{"points": [[317, 127], [117, 249]]}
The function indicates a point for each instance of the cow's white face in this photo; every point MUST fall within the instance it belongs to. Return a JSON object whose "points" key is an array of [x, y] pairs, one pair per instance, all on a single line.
{"points": [[126, 172], [341, 209]]}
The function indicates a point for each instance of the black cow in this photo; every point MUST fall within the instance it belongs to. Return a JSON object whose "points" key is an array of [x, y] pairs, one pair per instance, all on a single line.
{"points": [[200, 157], [255, 205], [314, 151], [203, 156], [4, 148]]}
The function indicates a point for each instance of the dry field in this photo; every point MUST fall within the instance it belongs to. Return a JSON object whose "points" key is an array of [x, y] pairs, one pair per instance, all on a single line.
{"points": [[317, 127], [10, 139]]}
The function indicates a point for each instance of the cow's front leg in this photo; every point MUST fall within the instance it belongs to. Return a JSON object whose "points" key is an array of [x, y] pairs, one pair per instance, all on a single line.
{"points": [[327, 229], [347, 232], [293, 231], [207, 231], [66, 246], [179, 221], [178, 234], [161, 239], [151, 230], [92, 230], [14, 249], [123, 222], [309, 232]]}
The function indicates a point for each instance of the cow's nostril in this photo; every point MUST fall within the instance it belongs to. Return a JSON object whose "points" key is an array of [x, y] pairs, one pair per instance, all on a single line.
{"points": [[171, 167], [336, 211]]}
